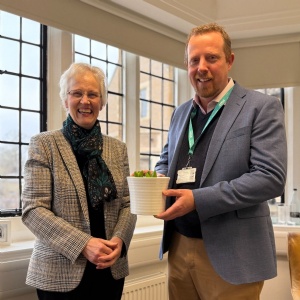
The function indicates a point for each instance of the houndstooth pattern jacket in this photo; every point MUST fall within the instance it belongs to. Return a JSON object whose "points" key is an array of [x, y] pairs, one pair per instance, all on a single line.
{"points": [[55, 210]]}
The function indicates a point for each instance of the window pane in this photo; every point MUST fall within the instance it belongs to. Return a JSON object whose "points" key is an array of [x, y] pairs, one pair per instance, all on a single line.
{"points": [[114, 79], [98, 63], [82, 58], [9, 55], [145, 86], [9, 193], [167, 113], [30, 125], [9, 162], [156, 68], [144, 112], [113, 54], [9, 25], [115, 131], [156, 91], [31, 60], [144, 64], [82, 44], [156, 141], [98, 50], [31, 31], [156, 115], [168, 72], [144, 162], [144, 140], [9, 96], [115, 109], [168, 92], [9, 125], [30, 94]]}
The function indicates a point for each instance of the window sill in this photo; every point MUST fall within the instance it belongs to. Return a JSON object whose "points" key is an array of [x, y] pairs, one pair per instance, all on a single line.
{"points": [[15, 251], [148, 228]]}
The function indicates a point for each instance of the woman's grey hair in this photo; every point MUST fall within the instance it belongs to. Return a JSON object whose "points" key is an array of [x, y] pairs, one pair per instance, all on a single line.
{"points": [[76, 69]]}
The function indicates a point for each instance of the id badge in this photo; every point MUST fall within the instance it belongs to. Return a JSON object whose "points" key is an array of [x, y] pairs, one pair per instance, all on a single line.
{"points": [[186, 175]]}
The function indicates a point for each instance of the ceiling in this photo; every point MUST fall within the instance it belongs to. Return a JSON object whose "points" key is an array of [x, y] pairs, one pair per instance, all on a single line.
{"points": [[242, 19]]}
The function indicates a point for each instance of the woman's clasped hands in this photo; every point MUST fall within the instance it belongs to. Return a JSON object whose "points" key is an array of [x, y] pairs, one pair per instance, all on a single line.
{"points": [[103, 253]]}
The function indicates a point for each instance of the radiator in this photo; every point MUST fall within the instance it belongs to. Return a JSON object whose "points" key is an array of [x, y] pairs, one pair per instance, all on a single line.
{"points": [[154, 288]]}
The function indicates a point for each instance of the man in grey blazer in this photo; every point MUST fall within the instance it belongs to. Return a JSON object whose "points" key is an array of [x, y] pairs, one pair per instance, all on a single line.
{"points": [[226, 155]]}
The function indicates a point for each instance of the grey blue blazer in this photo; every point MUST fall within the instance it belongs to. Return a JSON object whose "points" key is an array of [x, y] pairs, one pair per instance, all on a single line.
{"points": [[55, 210], [245, 166]]}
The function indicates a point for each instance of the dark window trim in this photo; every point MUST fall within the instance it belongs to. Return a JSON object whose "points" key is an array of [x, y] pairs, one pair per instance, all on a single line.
{"points": [[43, 116]]}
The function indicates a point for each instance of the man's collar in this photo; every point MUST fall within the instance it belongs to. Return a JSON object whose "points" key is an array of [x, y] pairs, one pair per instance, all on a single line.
{"points": [[211, 105]]}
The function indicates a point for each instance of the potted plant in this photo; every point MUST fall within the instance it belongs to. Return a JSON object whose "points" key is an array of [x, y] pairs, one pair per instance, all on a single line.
{"points": [[145, 189]]}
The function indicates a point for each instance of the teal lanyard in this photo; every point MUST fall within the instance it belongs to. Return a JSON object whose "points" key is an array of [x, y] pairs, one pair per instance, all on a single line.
{"points": [[192, 142]]}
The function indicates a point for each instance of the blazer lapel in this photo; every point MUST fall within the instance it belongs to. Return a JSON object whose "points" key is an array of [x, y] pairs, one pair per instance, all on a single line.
{"points": [[68, 157], [227, 118]]}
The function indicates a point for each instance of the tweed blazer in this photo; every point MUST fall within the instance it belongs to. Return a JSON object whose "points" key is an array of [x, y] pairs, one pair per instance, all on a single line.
{"points": [[245, 166], [55, 209]]}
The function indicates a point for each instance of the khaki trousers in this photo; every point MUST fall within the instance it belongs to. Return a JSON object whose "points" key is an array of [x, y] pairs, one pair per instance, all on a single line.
{"points": [[192, 277]]}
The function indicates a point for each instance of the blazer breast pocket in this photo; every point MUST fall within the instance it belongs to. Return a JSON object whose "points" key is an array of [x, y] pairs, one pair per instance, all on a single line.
{"points": [[236, 149], [239, 132]]}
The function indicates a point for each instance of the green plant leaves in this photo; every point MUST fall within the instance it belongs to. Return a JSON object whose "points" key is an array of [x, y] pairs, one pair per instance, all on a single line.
{"points": [[145, 174]]}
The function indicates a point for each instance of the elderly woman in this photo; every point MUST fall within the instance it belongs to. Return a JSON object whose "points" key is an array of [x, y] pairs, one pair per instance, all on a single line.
{"points": [[76, 199]]}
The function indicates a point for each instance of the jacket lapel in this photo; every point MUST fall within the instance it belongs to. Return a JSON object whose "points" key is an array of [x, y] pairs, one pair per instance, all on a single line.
{"points": [[69, 158], [227, 118]]}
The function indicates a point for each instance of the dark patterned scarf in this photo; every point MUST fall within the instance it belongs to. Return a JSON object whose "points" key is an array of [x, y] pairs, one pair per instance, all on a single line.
{"points": [[89, 143]]}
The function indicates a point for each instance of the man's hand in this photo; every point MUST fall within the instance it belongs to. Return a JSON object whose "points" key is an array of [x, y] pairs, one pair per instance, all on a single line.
{"points": [[183, 205]]}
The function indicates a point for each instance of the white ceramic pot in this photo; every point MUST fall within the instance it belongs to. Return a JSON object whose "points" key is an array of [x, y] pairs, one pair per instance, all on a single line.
{"points": [[146, 196]]}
